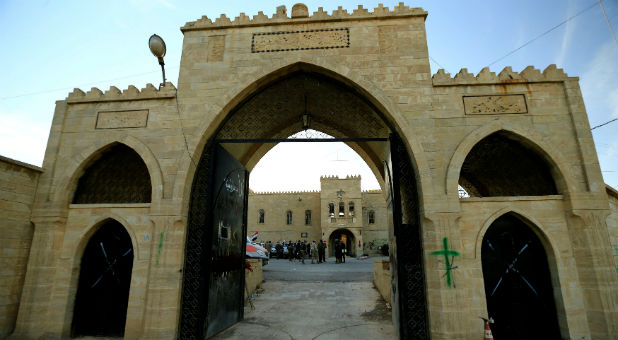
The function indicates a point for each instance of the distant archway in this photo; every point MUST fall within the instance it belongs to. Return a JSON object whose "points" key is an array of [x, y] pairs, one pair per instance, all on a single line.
{"points": [[345, 236], [518, 286], [104, 281]]}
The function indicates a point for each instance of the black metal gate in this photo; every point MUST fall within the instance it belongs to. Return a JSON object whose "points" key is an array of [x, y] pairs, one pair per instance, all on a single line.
{"points": [[214, 265], [406, 256]]}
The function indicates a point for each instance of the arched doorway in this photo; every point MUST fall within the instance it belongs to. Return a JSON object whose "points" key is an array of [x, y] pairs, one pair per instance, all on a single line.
{"points": [[345, 236], [271, 113], [518, 285], [104, 281]]}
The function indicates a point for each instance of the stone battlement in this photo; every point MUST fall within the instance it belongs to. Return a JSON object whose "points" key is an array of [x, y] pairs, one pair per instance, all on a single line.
{"points": [[114, 94], [283, 192], [337, 177], [507, 76], [300, 14]]}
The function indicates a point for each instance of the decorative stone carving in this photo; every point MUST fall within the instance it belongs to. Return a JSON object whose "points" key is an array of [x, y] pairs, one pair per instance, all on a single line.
{"points": [[495, 104], [300, 40], [216, 48], [121, 119]]}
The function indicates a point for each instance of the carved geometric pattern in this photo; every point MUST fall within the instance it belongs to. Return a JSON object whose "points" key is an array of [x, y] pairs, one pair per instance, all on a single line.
{"points": [[194, 295], [121, 119], [118, 176], [482, 105], [276, 111], [316, 39], [500, 166], [410, 253]]}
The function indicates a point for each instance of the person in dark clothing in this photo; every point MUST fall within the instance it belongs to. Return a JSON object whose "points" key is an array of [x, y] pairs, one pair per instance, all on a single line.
{"points": [[344, 250], [337, 251], [321, 252]]}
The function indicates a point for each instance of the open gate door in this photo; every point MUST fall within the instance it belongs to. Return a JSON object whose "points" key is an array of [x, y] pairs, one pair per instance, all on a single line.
{"points": [[410, 313], [228, 233]]}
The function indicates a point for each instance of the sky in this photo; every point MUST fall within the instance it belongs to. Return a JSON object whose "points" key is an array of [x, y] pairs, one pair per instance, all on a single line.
{"points": [[51, 47]]}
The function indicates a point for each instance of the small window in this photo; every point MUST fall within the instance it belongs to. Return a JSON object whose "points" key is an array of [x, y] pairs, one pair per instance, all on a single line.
{"points": [[288, 217], [372, 217], [307, 217], [261, 216], [331, 209], [351, 208], [341, 209]]}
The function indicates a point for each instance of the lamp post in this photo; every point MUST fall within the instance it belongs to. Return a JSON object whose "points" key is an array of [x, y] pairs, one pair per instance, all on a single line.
{"points": [[157, 47]]}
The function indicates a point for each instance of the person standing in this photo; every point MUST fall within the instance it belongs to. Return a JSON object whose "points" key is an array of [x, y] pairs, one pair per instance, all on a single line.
{"points": [[321, 252], [302, 252], [344, 250], [291, 251], [337, 251], [279, 249], [314, 252]]}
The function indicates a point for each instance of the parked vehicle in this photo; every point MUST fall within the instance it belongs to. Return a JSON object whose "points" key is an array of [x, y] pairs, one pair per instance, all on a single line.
{"points": [[256, 251]]}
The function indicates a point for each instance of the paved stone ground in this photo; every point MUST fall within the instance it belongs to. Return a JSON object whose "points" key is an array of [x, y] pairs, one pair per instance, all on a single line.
{"points": [[316, 302]]}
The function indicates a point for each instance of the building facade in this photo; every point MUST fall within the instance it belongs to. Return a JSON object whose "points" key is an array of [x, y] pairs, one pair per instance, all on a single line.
{"points": [[132, 170], [339, 211]]}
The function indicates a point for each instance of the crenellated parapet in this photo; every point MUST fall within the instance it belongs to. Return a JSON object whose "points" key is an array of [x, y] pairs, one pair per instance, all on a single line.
{"points": [[506, 76], [114, 94], [336, 177], [300, 13], [284, 192]]}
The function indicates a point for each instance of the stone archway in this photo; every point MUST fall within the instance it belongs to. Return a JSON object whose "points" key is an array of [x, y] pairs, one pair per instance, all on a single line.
{"points": [[274, 111], [347, 237], [105, 274], [518, 285]]}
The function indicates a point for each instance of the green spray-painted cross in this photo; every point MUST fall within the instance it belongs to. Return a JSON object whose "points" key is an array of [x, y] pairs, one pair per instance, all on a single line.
{"points": [[446, 252]]}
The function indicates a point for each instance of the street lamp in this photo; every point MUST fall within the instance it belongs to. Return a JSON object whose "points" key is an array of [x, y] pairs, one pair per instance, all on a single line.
{"points": [[157, 47]]}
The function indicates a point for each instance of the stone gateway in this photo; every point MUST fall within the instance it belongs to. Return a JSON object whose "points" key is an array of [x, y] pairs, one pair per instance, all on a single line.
{"points": [[133, 183]]}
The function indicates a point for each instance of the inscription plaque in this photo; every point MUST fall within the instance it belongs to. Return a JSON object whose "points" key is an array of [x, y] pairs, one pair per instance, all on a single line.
{"points": [[300, 40], [122, 119], [480, 105]]}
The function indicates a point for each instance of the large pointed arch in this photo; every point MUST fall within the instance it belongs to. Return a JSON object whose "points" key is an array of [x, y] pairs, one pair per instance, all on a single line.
{"points": [[534, 140], [247, 85]]}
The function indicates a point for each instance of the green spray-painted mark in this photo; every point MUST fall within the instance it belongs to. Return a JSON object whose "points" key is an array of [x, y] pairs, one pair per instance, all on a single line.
{"points": [[446, 252], [160, 246]]}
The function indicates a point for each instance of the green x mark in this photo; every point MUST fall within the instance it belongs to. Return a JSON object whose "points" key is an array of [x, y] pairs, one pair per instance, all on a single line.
{"points": [[446, 252]]}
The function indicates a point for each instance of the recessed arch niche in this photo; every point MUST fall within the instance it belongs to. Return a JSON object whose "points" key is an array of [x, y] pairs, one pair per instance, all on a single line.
{"points": [[104, 282], [117, 175], [518, 284], [503, 165]]}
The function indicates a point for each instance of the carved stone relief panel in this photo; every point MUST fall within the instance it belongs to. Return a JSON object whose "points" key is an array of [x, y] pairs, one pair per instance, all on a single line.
{"points": [[216, 48], [479, 105], [121, 119], [300, 40]]}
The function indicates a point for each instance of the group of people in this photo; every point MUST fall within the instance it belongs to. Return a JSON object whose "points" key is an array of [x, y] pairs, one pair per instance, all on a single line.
{"points": [[300, 250]]}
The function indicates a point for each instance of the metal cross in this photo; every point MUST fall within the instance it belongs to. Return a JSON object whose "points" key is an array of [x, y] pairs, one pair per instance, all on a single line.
{"points": [[447, 252]]}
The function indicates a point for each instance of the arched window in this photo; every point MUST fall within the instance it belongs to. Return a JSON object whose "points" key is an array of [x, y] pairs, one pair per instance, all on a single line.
{"points": [[118, 176], [371, 217], [261, 216], [499, 165], [351, 208], [102, 294], [341, 209], [331, 209], [288, 217], [307, 217]]}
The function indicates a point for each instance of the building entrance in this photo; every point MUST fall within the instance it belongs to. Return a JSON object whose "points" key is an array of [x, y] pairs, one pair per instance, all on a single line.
{"points": [[302, 96]]}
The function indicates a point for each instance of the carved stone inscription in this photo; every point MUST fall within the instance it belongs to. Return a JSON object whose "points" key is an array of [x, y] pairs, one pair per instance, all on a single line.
{"points": [[300, 40], [121, 119], [480, 105]]}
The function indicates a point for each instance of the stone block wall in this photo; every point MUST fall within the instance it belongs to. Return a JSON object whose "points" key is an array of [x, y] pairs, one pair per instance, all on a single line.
{"points": [[253, 279], [18, 183], [382, 277]]}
